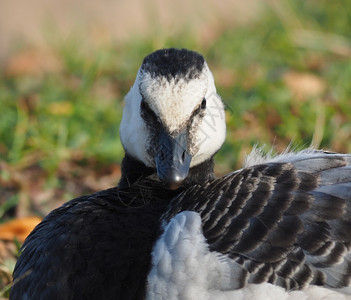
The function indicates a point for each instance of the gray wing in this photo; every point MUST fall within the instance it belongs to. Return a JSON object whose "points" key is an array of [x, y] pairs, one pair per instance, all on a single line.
{"points": [[287, 223]]}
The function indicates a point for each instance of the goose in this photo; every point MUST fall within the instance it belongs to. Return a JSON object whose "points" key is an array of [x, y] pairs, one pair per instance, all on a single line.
{"points": [[279, 228]]}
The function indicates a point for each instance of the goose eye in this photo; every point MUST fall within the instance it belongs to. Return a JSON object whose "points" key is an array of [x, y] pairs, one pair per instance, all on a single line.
{"points": [[203, 103]]}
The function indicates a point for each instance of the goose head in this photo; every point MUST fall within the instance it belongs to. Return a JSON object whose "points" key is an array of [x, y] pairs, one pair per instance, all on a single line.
{"points": [[173, 118]]}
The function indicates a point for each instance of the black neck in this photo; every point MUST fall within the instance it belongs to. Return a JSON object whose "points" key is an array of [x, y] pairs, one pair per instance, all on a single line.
{"points": [[134, 170]]}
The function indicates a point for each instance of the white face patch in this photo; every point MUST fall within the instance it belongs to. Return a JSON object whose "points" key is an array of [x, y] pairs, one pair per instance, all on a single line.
{"points": [[174, 102], [133, 132], [210, 134]]}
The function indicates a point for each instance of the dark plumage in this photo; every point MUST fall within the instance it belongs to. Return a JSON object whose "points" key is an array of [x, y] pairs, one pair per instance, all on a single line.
{"points": [[99, 246], [88, 249], [278, 216], [286, 220], [173, 63]]}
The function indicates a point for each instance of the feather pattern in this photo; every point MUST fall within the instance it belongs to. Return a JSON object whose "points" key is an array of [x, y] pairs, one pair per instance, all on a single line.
{"points": [[284, 223]]}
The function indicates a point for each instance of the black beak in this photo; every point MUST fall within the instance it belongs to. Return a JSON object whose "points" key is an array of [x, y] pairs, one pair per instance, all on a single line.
{"points": [[172, 159]]}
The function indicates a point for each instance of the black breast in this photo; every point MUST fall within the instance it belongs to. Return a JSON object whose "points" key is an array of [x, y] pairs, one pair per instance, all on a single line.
{"points": [[95, 247]]}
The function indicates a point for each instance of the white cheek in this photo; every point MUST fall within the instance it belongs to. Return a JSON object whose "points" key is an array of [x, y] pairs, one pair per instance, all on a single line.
{"points": [[211, 132], [209, 139], [133, 132]]}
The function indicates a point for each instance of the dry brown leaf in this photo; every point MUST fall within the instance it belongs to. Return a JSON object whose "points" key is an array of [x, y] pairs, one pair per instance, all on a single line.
{"points": [[18, 228], [304, 85]]}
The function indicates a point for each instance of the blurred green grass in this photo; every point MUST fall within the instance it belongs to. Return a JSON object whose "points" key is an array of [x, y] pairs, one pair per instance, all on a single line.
{"points": [[285, 77]]}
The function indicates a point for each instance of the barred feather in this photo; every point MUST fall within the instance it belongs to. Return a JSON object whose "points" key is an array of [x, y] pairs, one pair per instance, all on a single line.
{"points": [[284, 223]]}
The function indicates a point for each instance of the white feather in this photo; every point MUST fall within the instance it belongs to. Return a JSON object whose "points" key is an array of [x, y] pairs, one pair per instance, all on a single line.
{"points": [[267, 291], [258, 155], [184, 268], [133, 133]]}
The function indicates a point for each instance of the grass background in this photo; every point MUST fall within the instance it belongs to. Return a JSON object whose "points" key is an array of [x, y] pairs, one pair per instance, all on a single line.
{"points": [[285, 77]]}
